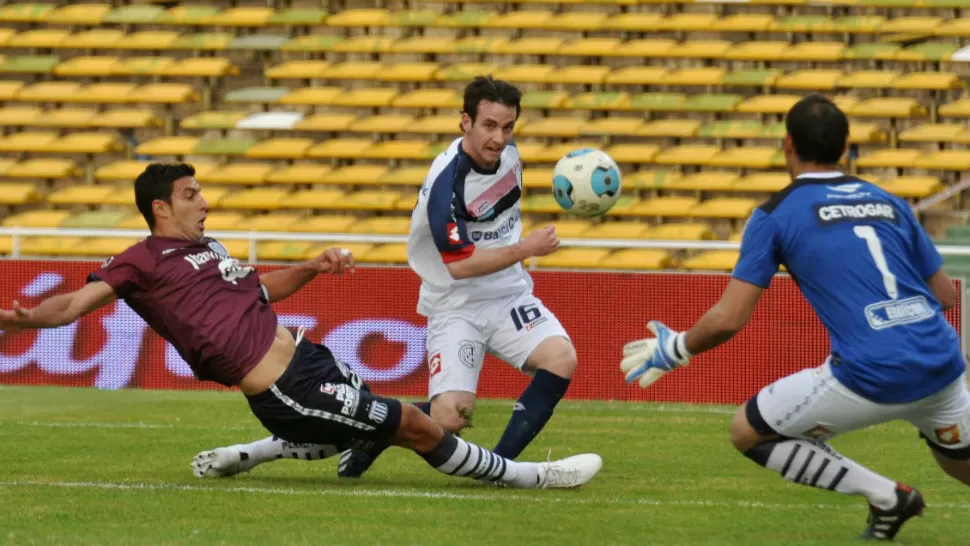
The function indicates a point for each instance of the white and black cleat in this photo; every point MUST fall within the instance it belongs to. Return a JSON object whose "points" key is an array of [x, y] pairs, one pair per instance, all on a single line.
{"points": [[569, 472], [884, 524], [220, 462]]}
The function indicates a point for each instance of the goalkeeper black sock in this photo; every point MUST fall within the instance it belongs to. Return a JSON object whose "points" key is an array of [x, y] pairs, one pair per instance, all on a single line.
{"points": [[816, 464], [532, 411]]}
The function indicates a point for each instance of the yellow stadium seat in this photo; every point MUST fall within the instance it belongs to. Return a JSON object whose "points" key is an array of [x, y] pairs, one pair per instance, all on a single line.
{"points": [[254, 199], [237, 173], [768, 104], [912, 186], [121, 170], [443, 124], [945, 160], [554, 127], [404, 176], [616, 230], [249, 16], [701, 49], [408, 72], [373, 97], [87, 66], [389, 253], [371, 200], [301, 69], [106, 246], [573, 258], [137, 221], [283, 251], [9, 90], [612, 126], [359, 18], [48, 92], [636, 259], [104, 93], [933, 132], [201, 67], [757, 51], [910, 25], [274, 221], [80, 195], [588, 101], [534, 45], [330, 123], [705, 181], [78, 14], [525, 73], [55, 168], [36, 218], [365, 70], [576, 21], [85, 143], [592, 75], [566, 229], [324, 223], [439, 45], [315, 199], [687, 22], [101, 38], [356, 249], [18, 193], [956, 109], [51, 246], [724, 207], [933, 81], [763, 182], [751, 157], [694, 76], [691, 154], [633, 22], [671, 128], [428, 98], [143, 66], [164, 93], [212, 119], [463, 71], [280, 148], [525, 19], [712, 260], [537, 178], [650, 179], [41, 38], [680, 231], [868, 79], [359, 174], [180, 145], [297, 174], [364, 44], [340, 148], [590, 47], [888, 107], [159, 40], [481, 45], [398, 149], [814, 52], [886, 158], [665, 206], [810, 79], [628, 153], [389, 123], [19, 115], [6, 163], [637, 75], [744, 22], [383, 225], [35, 141], [221, 220]]}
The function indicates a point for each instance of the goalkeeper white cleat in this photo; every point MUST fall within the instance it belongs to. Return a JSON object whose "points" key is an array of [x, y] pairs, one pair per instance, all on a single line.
{"points": [[220, 462], [569, 472]]}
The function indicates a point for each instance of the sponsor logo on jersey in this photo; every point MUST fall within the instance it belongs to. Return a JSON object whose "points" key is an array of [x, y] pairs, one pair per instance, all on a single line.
{"points": [[498, 233], [434, 364], [343, 393], [887, 314], [948, 436], [453, 234], [866, 210]]}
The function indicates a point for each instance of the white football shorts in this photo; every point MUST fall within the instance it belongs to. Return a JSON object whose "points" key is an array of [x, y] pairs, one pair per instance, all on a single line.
{"points": [[509, 328], [813, 404]]}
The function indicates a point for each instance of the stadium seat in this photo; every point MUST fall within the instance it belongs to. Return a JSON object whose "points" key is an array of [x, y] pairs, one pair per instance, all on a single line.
{"points": [[636, 259], [573, 258], [375, 200], [616, 230], [389, 253], [236, 173], [296, 174], [724, 207], [217, 220], [399, 149], [712, 260], [934, 132], [55, 168], [898, 158], [810, 80], [94, 219], [670, 128], [18, 193], [274, 221], [358, 174], [80, 195], [279, 148], [323, 223], [912, 186], [388, 123], [766, 182], [679, 231], [428, 98], [945, 160], [383, 225], [175, 146], [254, 199], [665, 206], [405, 176], [688, 154], [36, 218], [705, 181]]}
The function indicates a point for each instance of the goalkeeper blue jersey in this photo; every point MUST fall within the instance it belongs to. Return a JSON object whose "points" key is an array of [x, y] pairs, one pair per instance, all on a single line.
{"points": [[862, 260]]}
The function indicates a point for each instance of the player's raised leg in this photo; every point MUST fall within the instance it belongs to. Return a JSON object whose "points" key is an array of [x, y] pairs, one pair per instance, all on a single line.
{"points": [[784, 428], [533, 340], [231, 460]]}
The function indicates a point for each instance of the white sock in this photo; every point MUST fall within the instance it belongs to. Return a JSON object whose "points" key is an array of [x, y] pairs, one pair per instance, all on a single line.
{"points": [[817, 464], [273, 447], [457, 457]]}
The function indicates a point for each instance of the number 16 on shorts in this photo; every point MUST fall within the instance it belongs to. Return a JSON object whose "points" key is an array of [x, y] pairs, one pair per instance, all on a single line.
{"points": [[527, 316]]}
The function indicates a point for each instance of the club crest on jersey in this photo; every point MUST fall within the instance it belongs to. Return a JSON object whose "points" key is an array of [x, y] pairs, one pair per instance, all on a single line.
{"points": [[453, 234], [217, 247]]}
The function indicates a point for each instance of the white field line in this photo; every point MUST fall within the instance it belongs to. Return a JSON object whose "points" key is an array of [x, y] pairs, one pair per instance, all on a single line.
{"points": [[418, 494]]}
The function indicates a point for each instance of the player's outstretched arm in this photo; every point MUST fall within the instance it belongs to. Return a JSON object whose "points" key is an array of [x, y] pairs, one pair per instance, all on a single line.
{"points": [[646, 360], [485, 261], [57, 310], [285, 282]]}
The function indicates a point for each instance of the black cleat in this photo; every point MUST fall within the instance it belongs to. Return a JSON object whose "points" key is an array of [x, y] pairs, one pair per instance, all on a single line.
{"points": [[884, 524], [354, 462]]}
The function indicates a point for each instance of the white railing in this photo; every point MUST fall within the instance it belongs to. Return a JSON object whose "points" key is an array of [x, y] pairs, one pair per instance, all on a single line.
{"points": [[18, 233]]}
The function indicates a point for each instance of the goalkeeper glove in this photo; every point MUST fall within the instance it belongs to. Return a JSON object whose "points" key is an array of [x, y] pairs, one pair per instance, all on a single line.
{"points": [[649, 359]]}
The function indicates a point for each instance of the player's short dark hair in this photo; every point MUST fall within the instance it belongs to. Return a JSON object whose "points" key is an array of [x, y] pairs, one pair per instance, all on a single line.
{"points": [[818, 129], [492, 90], [156, 182]]}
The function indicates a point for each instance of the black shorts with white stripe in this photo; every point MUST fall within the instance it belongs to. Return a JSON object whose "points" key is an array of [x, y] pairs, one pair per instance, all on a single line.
{"points": [[319, 400]]}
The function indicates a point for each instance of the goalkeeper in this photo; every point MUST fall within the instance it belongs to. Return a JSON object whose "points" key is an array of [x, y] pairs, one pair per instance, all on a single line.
{"points": [[874, 278]]}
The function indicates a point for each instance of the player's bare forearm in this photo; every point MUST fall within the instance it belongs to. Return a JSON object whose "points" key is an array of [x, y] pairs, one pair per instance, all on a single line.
{"points": [[485, 261], [58, 310], [726, 318], [53, 312], [286, 282]]}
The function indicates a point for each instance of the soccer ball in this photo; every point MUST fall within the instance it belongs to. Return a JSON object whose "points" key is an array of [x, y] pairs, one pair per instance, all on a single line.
{"points": [[586, 182]]}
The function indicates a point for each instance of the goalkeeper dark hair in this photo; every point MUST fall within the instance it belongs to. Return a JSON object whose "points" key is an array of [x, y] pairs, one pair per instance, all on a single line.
{"points": [[818, 129], [492, 90]]}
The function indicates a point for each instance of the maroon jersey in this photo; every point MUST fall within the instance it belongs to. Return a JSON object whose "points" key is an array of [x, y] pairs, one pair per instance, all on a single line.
{"points": [[212, 309]]}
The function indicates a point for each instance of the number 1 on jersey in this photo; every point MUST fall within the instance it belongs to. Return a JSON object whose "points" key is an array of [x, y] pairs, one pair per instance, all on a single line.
{"points": [[868, 234]]}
